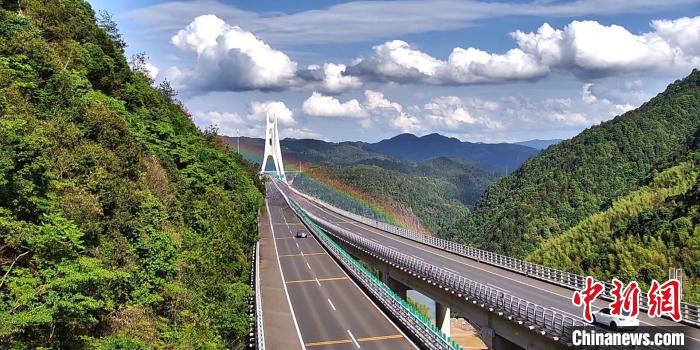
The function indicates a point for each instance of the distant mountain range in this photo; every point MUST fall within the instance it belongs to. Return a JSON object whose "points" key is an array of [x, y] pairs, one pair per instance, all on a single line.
{"points": [[497, 157]]}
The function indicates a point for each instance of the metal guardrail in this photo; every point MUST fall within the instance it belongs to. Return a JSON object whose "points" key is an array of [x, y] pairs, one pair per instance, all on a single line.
{"points": [[259, 330], [690, 312], [537, 318], [256, 337], [418, 325]]}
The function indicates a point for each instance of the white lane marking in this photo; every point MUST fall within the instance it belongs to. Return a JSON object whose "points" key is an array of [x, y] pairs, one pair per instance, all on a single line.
{"points": [[330, 302], [446, 257], [363, 293], [284, 282], [317, 281], [408, 242], [499, 288], [297, 243], [451, 270], [353, 339], [309, 266]]}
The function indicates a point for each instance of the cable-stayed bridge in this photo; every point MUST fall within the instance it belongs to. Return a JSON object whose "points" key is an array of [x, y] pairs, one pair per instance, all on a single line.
{"points": [[345, 286]]}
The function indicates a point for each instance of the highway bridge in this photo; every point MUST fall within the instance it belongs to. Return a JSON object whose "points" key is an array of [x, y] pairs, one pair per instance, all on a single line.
{"points": [[308, 300], [345, 286]]}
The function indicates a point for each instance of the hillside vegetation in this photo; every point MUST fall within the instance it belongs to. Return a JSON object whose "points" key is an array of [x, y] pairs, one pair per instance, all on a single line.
{"points": [[432, 200], [121, 224], [577, 178], [641, 236]]}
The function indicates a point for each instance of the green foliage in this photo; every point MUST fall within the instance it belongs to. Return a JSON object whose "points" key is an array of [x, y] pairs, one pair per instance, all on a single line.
{"points": [[640, 236], [432, 200], [122, 226], [577, 178]]}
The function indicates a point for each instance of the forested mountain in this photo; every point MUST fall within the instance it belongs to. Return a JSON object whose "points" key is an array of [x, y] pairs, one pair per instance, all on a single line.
{"points": [[433, 194], [642, 234], [576, 178], [406, 148], [122, 226], [423, 192], [314, 151], [497, 156]]}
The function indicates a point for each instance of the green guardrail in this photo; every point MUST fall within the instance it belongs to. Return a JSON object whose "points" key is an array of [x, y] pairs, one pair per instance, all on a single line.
{"points": [[412, 311]]}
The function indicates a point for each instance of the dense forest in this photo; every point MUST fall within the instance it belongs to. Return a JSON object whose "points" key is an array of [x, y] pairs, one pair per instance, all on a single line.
{"points": [[432, 200], [121, 224], [642, 234], [580, 177]]}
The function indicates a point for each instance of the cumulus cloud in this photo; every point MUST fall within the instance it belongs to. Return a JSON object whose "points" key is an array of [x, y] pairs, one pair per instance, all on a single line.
{"points": [[586, 48], [399, 62], [588, 97], [451, 113], [230, 58], [253, 124], [393, 112], [375, 109], [226, 122], [318, 105], [590, 48], [330, 78], [260, 111]]}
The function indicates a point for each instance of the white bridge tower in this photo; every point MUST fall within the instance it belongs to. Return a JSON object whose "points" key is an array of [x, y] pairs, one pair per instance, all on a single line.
{"points": [[272, 147]]}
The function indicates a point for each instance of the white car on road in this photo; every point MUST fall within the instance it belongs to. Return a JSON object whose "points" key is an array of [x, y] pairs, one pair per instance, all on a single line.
{"points": [[604, 317]]}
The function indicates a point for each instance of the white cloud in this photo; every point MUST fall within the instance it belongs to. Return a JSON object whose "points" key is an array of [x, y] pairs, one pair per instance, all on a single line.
{"points": [[451, 113], [331, 78], [683, 33], [300, 133], [393, 112], [587, 95], [360, 21], [397, 61], [318, 105], [152, 70], [260, 111], [226, 122], [230, 58], [591, 48], [585, 48]]}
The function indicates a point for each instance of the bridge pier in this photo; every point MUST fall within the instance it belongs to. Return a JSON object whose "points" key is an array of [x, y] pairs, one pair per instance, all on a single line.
{"points": [[442, 317], [496, 330], [397, 287]]}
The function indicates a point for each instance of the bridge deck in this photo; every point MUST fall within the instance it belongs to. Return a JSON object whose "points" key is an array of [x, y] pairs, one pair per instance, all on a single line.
{"points": [[534, 290], [308, 301]]}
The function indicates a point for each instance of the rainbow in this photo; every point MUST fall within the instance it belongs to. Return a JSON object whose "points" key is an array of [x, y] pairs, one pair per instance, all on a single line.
{"points": [[316, 182]]}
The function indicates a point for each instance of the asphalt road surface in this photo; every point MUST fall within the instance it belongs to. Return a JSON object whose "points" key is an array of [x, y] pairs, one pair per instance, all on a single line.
{"points": [[542, 293], [329, 309]]}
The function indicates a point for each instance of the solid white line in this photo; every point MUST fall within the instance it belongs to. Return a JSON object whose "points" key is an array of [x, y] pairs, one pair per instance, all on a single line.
{"points": [[410, 243], [451, 270], [284, 282], [499, 288], [387, 235], [330, 302], [361, 291], [353, 339]]}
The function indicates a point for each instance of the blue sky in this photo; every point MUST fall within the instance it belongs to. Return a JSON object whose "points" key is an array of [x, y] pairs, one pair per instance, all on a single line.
{"points": [[368, 70]]}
